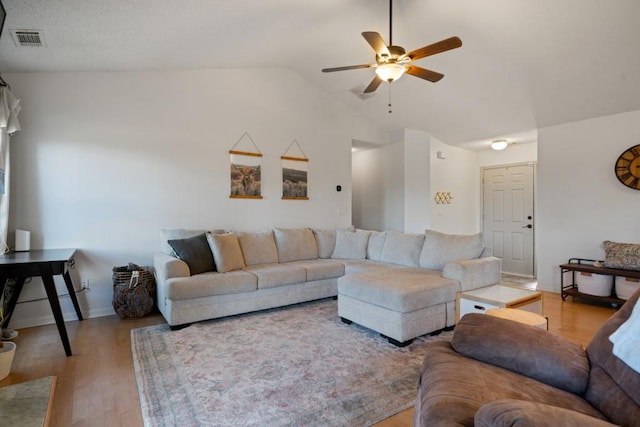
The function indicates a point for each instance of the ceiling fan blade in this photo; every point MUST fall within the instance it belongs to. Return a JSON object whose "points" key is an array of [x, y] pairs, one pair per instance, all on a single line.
{"points": [[350, 67], [377, 43], [432, 49], [423, 73], [373, 85]]}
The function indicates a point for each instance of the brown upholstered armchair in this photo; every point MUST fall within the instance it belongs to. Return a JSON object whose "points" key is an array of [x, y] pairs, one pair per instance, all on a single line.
{"points": [[496, 372]]}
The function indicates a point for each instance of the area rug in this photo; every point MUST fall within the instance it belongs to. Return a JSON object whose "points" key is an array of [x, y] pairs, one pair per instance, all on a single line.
{"points": [[298, 365]]}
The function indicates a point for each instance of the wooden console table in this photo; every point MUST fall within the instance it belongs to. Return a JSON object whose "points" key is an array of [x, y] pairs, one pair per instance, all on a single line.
{"points": [[586, 266], [44, 263]]}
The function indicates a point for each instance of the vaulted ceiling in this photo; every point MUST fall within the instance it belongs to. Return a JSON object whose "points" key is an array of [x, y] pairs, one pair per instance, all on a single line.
{"points": [[524, 64]]}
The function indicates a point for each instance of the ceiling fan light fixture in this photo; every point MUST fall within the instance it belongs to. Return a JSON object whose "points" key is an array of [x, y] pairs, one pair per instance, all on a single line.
{"points": [[499, 144], [390, 72]]}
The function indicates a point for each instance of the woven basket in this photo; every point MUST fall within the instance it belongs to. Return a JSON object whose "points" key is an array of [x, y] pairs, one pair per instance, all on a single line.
{"points": [[134, 291]]}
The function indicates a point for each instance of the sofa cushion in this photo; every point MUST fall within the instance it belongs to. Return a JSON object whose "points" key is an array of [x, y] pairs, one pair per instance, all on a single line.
{"points": [[226, 251], [350, 245], [440, 248], [274, 275], [295, 244], [622, 255], [320, 269], [375, 244], [210, 284], [195, 251], [258, 248], [399, 289], [326, 241], [505, 343], [402, 248], [366, 266]]}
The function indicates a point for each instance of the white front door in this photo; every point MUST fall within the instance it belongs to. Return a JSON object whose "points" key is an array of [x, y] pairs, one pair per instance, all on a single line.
{"points": [[508, 216]]}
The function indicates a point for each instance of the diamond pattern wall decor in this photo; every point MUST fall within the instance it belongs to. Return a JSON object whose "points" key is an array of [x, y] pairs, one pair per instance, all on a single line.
{"points": [[443, 198]]}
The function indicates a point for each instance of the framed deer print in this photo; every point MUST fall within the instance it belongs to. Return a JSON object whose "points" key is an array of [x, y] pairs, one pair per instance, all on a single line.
{"points": [[245, 172]]}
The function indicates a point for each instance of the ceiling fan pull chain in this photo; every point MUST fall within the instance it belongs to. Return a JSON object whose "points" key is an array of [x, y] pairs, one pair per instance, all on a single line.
{"points": [[390, 98]]}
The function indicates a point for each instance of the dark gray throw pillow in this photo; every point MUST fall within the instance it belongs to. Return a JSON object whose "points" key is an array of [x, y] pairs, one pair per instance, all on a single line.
{"points": [[195, 251]]}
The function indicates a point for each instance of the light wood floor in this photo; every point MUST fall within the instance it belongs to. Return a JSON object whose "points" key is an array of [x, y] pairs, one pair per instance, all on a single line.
{"points": [[96, 386]]}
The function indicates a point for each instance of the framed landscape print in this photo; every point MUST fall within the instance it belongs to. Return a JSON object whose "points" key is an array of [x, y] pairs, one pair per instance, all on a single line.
{"points": [[294, 174], [294, 178]]}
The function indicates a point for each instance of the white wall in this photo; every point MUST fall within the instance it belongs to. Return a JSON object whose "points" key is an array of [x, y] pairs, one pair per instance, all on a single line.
{"points": [[394, 186], [105, 160], [515, 153], [417, 181], [580, 201], [378, 188], [459, 175]]}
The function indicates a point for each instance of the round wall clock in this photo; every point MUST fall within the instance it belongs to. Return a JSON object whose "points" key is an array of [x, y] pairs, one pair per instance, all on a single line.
{"points": [[628, 167]]}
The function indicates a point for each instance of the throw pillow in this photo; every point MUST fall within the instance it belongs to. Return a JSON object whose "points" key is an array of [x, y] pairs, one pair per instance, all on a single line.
{"points": [[226, 251], [167, 234], [376, 244], [350, 245], [402, 248], [326, 241], [258, 248], [195, 252], [295, 244], [622, 255], [441, 248]]}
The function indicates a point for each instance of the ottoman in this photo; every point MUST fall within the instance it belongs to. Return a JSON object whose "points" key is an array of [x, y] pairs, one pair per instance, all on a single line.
{"points": [[400, 303]]}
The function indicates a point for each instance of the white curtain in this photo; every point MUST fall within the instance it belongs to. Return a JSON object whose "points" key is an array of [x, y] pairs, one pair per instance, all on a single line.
{"points": [[9, 110]]}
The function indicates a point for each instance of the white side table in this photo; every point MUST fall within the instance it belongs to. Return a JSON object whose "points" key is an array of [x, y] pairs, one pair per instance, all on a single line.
{"points": [[498, 296]]}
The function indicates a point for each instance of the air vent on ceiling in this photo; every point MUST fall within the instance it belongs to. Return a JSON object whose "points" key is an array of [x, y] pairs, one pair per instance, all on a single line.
{"points": [[28, 38]]}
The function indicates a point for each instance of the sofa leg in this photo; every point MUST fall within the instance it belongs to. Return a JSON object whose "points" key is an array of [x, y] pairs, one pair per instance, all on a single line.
{"points": [[178, 327], [347, 321], [398, 343]]}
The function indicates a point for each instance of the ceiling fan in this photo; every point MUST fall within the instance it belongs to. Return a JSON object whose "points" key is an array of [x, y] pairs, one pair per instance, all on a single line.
{"points": [[393, 61]]}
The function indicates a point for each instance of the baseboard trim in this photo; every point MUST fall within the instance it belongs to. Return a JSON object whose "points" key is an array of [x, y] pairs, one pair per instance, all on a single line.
{"points": [[49, 319]]}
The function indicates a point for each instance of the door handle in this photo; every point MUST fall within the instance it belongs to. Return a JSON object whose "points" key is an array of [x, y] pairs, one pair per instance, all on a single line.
{"points": [[528, 226]]}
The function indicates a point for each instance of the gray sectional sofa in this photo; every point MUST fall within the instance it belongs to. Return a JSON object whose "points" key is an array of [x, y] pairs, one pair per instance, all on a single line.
{"points": [[401, 285]]}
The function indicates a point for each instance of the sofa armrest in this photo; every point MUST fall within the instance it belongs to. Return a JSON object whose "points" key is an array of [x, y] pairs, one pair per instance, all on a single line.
{"points": [[474, 273], [520, 413], [523, 349], [167, 267]]}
